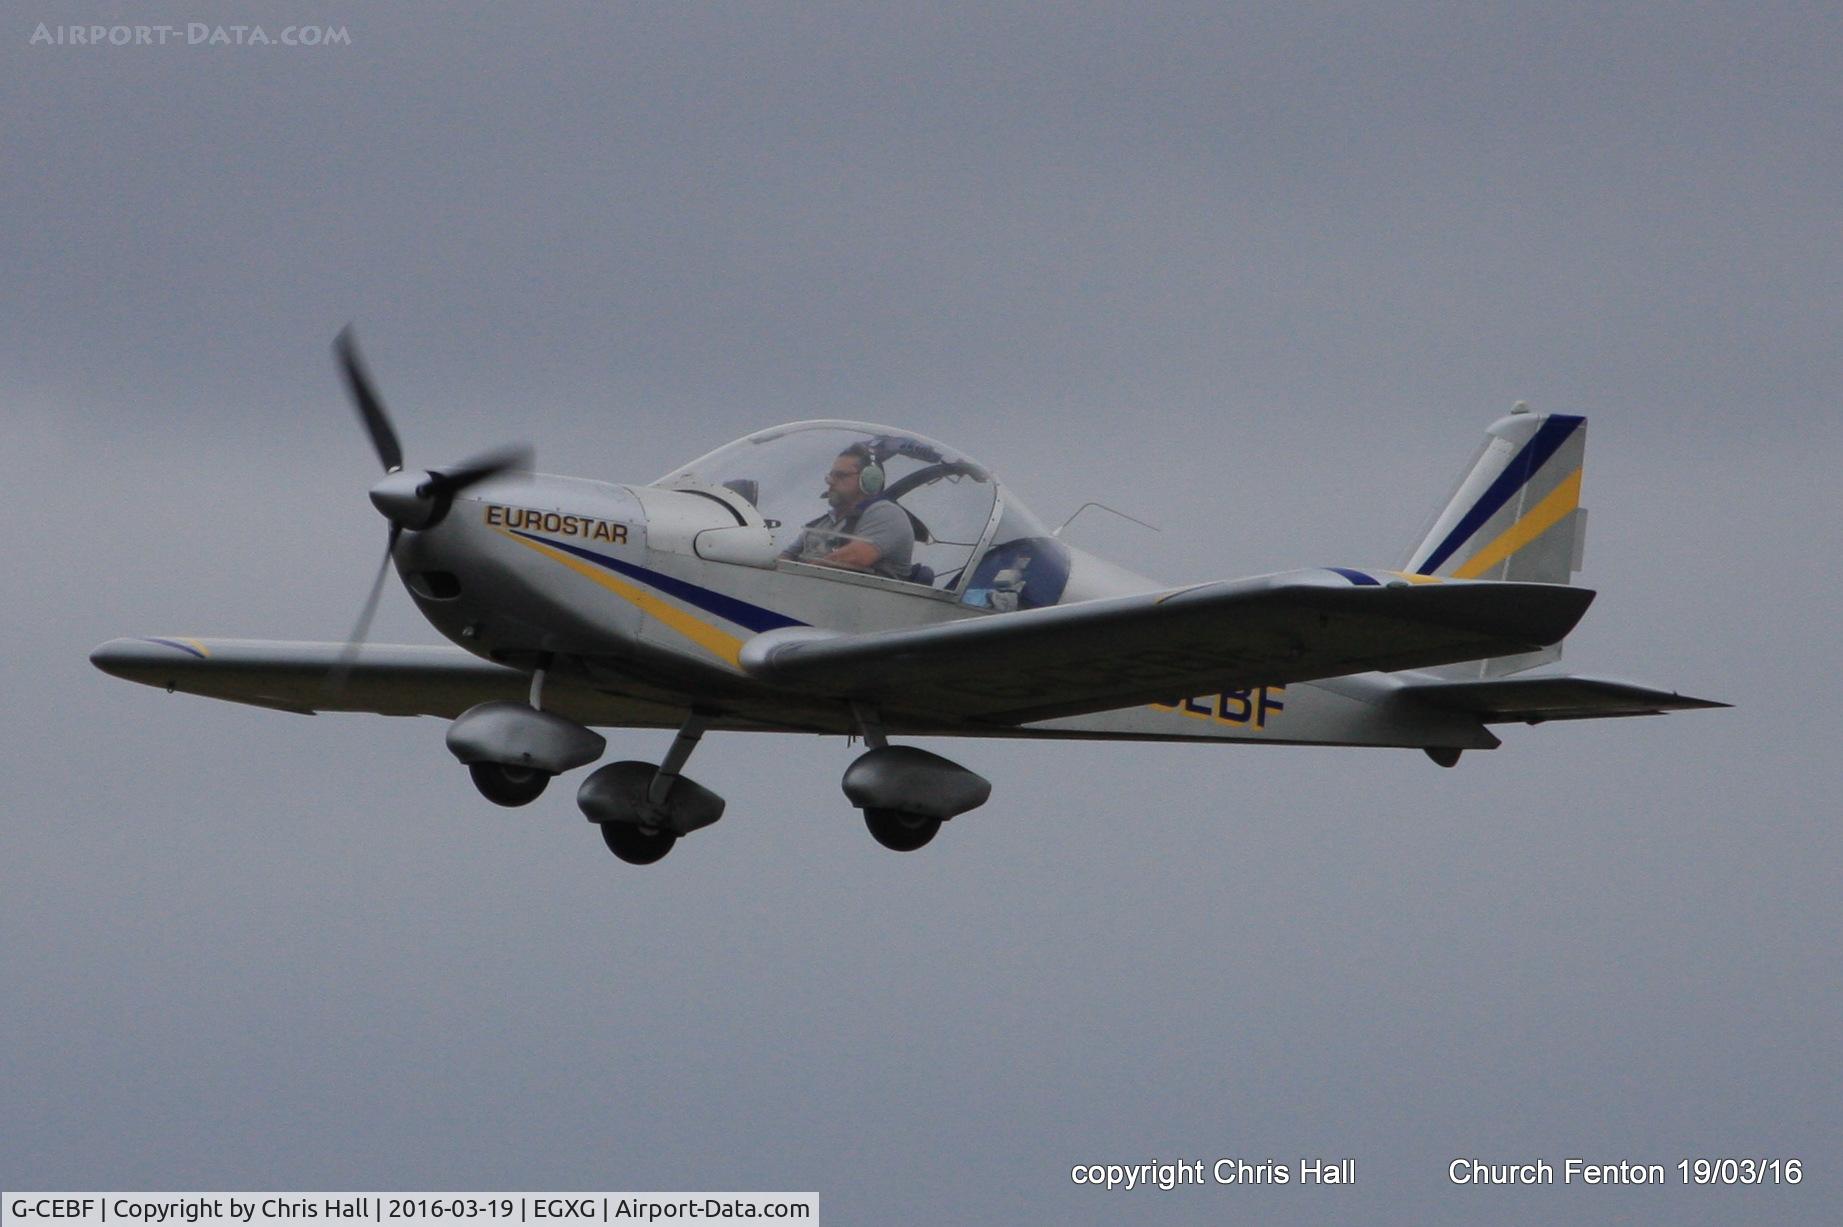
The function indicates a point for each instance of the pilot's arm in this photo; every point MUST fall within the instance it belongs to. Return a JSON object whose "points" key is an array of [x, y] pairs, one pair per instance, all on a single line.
{"points": [[882, 540], [856, 555], [851, 553], [809, 544]]}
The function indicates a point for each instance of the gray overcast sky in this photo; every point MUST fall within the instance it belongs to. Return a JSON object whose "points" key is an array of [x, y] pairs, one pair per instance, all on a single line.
{"points": [[1258, 274]]}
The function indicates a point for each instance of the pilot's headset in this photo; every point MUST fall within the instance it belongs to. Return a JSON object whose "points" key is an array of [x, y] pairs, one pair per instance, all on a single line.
{"points": [[871, 478]]}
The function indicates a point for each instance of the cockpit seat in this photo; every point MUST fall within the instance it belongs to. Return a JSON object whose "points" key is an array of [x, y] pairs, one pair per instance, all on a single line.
{"points": [[1029, 573]]}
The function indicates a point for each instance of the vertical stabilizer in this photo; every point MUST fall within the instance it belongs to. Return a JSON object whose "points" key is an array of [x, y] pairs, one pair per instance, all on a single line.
{"points": [[1516, 515]]}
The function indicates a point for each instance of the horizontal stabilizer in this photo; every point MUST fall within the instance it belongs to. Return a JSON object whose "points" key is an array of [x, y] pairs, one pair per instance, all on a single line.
{"points": [[1532, 700], [1095, 655]]}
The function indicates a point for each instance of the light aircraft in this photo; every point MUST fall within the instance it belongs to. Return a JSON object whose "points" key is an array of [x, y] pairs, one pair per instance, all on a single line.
{"points": [[711, 599]]}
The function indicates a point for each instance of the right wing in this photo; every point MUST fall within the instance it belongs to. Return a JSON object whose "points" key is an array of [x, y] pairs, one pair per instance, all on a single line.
{"points": [[390, 679], [1094, 655]]}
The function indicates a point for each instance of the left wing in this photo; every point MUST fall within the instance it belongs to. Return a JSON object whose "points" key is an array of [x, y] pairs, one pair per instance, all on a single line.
{"points": [[1094, 655]]}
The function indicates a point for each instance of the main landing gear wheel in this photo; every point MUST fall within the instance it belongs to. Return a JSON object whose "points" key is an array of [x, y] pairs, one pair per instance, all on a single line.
{"points": [[637, 845], [508, 786], [899, 830]]}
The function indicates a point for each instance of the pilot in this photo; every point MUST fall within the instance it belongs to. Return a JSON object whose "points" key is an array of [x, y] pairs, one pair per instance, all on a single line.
{"points": [[863, 531]]}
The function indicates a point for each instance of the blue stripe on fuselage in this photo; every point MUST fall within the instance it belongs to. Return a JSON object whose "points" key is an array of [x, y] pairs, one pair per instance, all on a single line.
{"points": [[726, 607]]}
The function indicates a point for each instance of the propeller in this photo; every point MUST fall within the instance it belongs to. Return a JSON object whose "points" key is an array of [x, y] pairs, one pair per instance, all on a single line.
{"points": [[365, 400], [409, 500]]}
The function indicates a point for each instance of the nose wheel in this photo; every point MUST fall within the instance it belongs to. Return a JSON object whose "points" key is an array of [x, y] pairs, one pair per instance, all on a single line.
{"points": [[643, 809], [637, 845]]}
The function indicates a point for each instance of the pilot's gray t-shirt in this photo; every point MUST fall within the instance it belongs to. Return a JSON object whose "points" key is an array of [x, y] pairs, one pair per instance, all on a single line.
{"points": [[882, 523]]}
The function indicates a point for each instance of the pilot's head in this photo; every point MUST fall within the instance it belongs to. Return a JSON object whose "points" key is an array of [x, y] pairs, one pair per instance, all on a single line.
{"points": [[844, 487]]}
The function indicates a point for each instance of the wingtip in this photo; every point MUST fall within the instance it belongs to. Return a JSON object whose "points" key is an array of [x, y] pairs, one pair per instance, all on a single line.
{"points": [[128, 659], [108, 656], [138, 659]]}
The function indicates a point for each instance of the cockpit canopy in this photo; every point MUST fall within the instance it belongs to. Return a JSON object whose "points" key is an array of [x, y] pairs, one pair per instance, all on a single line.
{"points": [[973, 539]]}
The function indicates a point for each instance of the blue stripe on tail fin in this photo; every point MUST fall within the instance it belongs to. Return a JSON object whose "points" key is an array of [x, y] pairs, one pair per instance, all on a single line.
{"points": [[1516, 515]]}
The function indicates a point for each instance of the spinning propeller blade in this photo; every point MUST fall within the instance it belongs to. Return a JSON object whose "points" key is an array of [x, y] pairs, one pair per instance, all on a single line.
{"points": [[365, 400], [452, 481], [336, 681], [407, 500]]}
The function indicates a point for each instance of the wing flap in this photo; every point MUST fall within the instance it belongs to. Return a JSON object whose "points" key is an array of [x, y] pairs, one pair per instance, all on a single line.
{"points": [[1095, 655], [1532, 700]]}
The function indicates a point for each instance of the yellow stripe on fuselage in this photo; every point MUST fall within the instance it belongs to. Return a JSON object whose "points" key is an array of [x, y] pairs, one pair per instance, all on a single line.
{"points": [[718, 643], [1536, 521]]}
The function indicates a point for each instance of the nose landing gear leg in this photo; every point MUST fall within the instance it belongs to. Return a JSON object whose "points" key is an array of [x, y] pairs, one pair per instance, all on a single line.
{"points": [[643, 809]]}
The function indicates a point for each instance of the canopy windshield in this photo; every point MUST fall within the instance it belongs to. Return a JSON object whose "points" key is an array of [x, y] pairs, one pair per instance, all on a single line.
{"points": [[951, 500]]}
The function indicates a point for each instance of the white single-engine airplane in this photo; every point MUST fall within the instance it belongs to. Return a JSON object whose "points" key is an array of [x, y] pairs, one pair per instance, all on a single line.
{"points": [[927, 602]]}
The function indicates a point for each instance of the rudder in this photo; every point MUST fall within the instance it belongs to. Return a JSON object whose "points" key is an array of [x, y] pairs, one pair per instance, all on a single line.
{"points": [[1516, 515]]}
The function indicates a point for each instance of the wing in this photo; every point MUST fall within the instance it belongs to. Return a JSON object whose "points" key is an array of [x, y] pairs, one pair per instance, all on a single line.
{"points": [[1531, 700], [1094, 655], [390, 679]]}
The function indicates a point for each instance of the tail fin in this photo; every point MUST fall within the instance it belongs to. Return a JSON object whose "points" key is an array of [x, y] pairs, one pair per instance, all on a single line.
{"points": [[1516, 515]]}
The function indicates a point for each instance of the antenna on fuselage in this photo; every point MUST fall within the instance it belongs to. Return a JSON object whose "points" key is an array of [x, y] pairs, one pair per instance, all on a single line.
{"points": [[1104, 507]]}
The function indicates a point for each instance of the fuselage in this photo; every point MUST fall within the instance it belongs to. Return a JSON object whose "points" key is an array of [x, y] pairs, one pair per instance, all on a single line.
{"points": [[651, 592]]}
